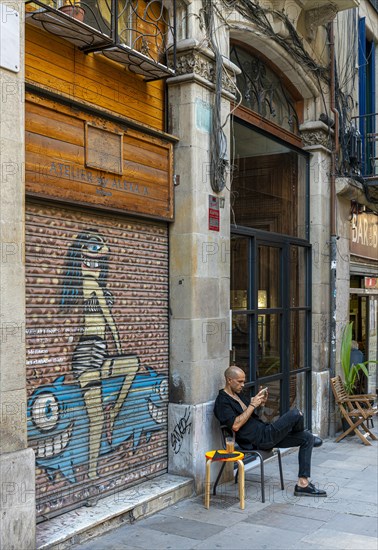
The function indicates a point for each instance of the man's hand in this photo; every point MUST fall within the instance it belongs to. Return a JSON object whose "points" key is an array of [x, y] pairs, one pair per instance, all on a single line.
{"points": [[259, 399]]}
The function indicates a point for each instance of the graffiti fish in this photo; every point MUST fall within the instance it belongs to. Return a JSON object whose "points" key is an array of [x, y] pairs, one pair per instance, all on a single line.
{"points": [[58, 422]]}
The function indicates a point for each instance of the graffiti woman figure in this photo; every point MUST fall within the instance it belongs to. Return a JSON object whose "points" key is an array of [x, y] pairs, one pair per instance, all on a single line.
{"points": [[85, 280]]}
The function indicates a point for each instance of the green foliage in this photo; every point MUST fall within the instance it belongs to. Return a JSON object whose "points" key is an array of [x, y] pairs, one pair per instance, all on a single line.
{"points": [[350, 372]]}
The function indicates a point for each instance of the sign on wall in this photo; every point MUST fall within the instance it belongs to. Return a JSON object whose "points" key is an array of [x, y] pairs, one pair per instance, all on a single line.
{"points": [[364, 235], [9, 38], [371, 282], [213, 213]]}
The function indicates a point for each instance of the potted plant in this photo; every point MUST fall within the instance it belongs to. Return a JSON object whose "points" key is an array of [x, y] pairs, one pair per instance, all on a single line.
{"points": [[350, 370], [73, 9]]}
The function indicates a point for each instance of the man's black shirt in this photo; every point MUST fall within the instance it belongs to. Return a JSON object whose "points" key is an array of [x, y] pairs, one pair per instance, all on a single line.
{"points": [[227, 408]]}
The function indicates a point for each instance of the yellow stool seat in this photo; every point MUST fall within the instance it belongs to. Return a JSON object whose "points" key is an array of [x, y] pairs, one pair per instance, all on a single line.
{"points": [[237, 457]]}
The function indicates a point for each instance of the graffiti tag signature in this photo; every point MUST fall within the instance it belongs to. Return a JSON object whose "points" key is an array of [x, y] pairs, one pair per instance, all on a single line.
{"points": [[181, 428]]}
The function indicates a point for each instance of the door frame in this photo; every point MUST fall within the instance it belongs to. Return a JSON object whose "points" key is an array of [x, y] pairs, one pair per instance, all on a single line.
{"points": [[283, 242]]}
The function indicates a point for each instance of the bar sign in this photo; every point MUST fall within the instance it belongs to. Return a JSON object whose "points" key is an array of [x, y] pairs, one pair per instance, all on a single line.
{"points": [[213, 213]]}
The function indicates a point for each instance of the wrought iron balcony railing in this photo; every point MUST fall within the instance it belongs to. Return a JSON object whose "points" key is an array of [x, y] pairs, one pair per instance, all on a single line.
{"points": [[363, 151], [140, 34]]}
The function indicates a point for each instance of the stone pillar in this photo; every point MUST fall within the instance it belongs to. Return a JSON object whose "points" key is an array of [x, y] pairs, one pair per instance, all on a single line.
{"points": [[199, 259], [17, 468], [343, 272], [317, 139]]}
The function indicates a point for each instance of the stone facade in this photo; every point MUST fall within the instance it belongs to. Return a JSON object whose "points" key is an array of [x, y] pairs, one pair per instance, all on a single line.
{"points": [[200, 283], [17, 488], [199, 265], [290, 36]]}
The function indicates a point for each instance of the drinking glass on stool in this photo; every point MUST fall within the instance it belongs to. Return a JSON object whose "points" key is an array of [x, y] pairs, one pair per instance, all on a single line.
{"points": [[230, 444]]}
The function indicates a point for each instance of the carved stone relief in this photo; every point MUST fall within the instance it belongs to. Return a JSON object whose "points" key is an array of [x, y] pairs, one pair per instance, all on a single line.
{"points": [[319, 16], [316, 133], [196, 63]]}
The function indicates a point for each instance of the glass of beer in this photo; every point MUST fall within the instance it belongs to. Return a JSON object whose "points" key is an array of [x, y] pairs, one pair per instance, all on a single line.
{"points": [[230, 444]]}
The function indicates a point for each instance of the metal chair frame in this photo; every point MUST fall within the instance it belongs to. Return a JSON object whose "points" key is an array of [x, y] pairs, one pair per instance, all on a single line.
{"points": [[249, 456]]}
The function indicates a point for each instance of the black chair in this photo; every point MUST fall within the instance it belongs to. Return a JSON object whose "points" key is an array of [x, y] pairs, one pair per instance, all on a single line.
{"points": [[249, 456]]}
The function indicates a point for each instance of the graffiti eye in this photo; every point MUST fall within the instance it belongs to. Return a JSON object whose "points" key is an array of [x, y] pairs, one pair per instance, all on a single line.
{"points": [[94, 245], [163, 389], [45, 412]]}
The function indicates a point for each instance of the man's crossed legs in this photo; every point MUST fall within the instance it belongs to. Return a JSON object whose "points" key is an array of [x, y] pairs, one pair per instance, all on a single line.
{"points": [[288, 431]]}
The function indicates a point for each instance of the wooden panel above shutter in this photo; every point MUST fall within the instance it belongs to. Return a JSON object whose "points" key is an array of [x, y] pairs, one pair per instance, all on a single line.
{"points": [[65, 161]]}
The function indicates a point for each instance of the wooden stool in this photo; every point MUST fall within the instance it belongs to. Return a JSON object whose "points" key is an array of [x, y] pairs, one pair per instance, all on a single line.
{"points": [[237, 458]]}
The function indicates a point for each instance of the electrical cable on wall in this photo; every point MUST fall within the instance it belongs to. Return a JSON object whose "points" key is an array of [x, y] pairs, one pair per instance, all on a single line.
{"points": [[259, 16], [345, 77], [293, 44], [218, 154]]}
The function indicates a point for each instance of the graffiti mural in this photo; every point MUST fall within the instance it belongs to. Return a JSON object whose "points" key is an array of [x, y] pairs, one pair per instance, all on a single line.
{"points": [[59, 421], [85, 282], [97, 345]]}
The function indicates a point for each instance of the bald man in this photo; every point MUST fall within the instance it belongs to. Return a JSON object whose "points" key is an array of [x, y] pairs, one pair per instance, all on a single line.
{"points": [[237, 412]]}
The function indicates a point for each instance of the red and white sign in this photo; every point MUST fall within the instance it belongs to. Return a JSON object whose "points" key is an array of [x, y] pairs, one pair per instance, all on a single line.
{"points": [[371, 282], [214, 217]]}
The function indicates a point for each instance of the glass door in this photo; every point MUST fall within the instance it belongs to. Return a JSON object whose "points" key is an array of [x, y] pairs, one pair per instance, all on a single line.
{"points": [[271, 333], [269, 273]]}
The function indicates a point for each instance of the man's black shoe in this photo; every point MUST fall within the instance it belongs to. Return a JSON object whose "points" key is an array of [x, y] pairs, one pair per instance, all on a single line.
{"points": [[309, 491], [317, 441]]}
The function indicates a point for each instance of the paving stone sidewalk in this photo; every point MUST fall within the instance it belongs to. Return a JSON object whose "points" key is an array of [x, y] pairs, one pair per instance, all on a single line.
{"points": [[346, 519]]}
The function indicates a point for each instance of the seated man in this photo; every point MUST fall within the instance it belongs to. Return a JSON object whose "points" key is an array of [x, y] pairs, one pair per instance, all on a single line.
{"points": [[238, 412]]}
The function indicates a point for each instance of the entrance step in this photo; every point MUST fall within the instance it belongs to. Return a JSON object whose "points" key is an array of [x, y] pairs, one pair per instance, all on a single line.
{"points": [[79, 525]]}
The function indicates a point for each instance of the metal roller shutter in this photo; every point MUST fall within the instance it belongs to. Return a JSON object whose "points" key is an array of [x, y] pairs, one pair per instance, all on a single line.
{"points": [[97, 353]]}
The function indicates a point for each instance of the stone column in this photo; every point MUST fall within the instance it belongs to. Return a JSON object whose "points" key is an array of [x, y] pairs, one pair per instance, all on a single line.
{"points": [[17, 469], [317, 139], [199, 258]]}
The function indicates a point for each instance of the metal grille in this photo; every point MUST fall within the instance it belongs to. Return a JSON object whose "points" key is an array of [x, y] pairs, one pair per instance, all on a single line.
{"points": [[140, 34], [363, 152], [263, 92], [97, 353]]}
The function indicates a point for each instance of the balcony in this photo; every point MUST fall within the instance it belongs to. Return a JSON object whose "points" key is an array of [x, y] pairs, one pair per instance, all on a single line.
{"points": [[139, 34], [363, 151]]}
